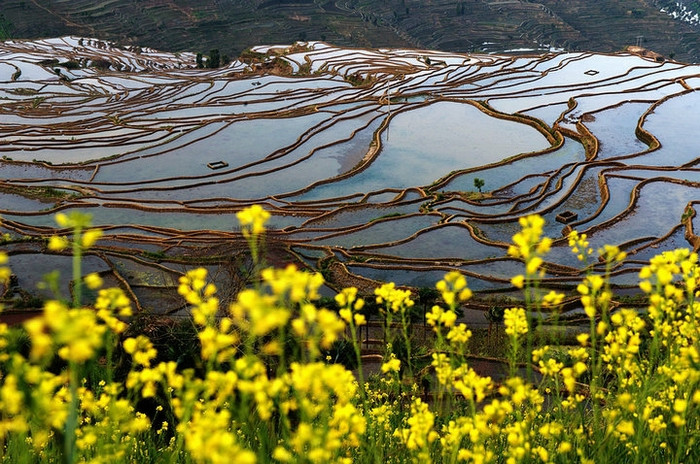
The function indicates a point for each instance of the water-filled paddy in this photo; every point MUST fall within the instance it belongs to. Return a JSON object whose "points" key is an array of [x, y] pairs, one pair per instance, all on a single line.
{"points": [[447, 241], [425, 144], [170, 154]]}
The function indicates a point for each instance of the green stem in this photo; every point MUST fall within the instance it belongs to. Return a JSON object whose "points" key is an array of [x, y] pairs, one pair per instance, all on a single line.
{"points": [[529, 290], [593, 386], [513, 355], [281, 338], [72, 420], [404, 330], [77, 273], [180, 437], [109, 357]]}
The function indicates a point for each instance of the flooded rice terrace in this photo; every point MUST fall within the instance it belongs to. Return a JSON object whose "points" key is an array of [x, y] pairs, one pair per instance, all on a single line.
{"points": [[367, 160]]}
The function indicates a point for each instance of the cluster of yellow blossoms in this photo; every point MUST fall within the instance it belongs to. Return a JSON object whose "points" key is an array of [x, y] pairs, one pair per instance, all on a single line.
{"points": [[265, 388]]}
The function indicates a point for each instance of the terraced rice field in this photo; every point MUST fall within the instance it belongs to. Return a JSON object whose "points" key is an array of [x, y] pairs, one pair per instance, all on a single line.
{"points": [[367, 160]]}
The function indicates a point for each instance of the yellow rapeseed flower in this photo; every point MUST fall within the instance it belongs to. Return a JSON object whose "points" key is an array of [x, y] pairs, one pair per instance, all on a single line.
{"points": [[57, 243], [453, 288], [459, 335], [438, 317], [580, 246], [392, 298], [252, 220], [392, 365], [292, 284], [90, 237], [258, 314], [93, 281], [470, 384], [552, 299], [141, 350], [419, 434], [518, 281], [4, 270], [527, 239], [515, 320], [76, 333]]}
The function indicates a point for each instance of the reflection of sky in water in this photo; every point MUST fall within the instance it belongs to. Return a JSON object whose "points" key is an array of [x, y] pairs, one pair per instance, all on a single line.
{"points": [[549, 113], [380, 232], [558, 190], [615, 130], [658, 209], [675, 124], [400, 276], [448, 241], [236, 143], [358, 216], [169, 219], [500, 176], [30, 269], [252, 181], [425, 144], [676, 240], [619, 199], [20, 203], [421, 145], [421, 278]]}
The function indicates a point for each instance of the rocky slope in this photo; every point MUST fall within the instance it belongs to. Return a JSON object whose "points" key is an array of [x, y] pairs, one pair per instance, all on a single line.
{"points": [[466, 25]]}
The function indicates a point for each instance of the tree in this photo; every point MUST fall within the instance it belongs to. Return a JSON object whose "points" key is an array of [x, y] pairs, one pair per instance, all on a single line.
{"points": [[427, 296], [200, 61], [478, 183], [5, 28], [214, 59], [460, 8]]}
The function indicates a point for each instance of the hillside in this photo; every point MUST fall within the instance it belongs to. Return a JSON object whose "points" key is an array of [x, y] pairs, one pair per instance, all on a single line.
{"points": [[479, 25]]}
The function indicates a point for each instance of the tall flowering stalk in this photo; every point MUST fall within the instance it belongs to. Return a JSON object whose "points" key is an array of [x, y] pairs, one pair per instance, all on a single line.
{"points": [[449, 360], [86, 416], [264, 357], [350, 305], [82, 239], [4, 276], [670, 282], [252, 221], [515, 320], [596, 297], [395, 301], [530, 246]]}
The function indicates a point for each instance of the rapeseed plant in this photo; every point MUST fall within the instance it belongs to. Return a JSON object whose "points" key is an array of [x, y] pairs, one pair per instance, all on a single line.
{"points": [[629, 391]]}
